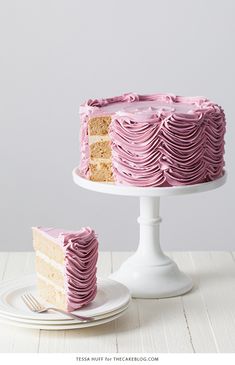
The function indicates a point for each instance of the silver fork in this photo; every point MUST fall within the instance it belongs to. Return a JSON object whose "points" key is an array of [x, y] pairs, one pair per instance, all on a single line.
{"points": [[33, 304]]}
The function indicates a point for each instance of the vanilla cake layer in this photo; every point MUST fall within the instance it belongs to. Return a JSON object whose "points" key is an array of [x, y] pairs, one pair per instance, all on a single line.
{"points": [[44, 244], [66, 266], [51, 294], [50, 269], [101, 171], [99, 126], [100, 149]]}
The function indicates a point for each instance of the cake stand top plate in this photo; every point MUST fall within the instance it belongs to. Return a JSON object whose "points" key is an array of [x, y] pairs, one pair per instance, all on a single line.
{"points": [[110, 188]]}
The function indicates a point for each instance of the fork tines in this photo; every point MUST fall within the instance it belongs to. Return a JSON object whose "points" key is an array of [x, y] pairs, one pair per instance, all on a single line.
{"points": [[31, 302]]}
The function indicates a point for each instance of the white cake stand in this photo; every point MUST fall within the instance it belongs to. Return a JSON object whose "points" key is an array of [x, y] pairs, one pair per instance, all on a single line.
{"points": [[149, 273]]}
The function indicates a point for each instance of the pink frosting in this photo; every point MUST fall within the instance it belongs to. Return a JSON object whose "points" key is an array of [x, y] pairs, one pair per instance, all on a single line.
{"points": [[81, 253], [159, 140]]}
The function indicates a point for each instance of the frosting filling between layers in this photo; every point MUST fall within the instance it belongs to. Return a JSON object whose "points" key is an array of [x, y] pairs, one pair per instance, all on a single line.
{"points": [[52, 283], [97, 138], [51, 262], [159, 140]]}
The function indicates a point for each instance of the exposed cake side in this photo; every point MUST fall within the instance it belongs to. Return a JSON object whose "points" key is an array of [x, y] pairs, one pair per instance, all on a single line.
{"points": [[100, 155], [156, 140], [66, 266]]}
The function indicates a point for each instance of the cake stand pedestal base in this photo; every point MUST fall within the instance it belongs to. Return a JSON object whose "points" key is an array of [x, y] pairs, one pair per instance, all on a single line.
{"points": [[158, 281], [149, 273]]}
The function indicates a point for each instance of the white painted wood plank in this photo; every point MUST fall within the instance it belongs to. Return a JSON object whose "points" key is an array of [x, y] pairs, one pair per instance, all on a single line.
{"points": [[19, 263], [152, 326], [175, 326], [95, 339], [16, 339], [29, 267], [128, 326], [3, 262], [216, 276], [195, 312]]}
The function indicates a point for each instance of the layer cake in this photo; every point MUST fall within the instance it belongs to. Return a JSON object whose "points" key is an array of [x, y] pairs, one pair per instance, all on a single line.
{"points": [[66, 266], [152, 140]]}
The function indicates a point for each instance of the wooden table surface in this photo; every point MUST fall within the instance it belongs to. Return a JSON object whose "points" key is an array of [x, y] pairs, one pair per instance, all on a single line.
{"points": [[201, 321]]}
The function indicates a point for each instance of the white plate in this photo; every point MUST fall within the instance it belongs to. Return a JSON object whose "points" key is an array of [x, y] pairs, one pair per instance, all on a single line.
{"points": [[111, 296], [60, 322], [60, 326]]}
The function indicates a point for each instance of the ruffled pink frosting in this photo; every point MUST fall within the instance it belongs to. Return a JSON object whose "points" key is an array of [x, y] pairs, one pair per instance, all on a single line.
{"points": [[81, 253], [161, 139]]}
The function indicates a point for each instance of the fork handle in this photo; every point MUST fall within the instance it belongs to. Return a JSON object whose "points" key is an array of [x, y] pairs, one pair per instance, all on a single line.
{"points": [[71, 315]]}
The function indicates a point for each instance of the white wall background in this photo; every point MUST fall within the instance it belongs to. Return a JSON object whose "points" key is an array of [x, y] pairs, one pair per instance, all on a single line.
{"points": [[55, 55]]}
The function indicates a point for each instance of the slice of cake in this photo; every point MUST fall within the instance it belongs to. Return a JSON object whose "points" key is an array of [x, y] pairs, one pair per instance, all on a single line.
{"points": [[152, 140], [66, 266]]}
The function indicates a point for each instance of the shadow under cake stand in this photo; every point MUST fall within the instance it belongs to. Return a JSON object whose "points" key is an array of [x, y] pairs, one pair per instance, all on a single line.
{"points": [[149, 273]]}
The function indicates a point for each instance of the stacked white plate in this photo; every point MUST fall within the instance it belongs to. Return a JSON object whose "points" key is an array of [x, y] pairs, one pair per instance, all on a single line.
{"points": [[111, 302]]}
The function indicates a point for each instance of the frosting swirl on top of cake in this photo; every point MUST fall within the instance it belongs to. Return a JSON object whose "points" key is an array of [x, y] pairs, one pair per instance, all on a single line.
{"points": [[133, 103], [160, 139]]}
